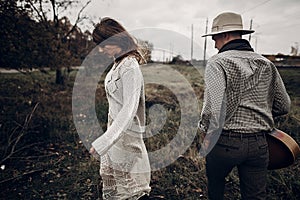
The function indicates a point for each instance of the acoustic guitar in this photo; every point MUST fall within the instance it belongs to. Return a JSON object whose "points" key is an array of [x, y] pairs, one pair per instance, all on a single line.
{"points": [[283, 149]]}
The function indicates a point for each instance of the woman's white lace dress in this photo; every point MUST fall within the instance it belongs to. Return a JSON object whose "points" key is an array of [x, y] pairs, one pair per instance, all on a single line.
{"points": [[124, 166]]}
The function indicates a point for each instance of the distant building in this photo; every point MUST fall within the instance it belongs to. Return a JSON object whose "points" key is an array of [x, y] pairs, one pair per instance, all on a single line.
{"points": [[178, 60], [281, 60]]}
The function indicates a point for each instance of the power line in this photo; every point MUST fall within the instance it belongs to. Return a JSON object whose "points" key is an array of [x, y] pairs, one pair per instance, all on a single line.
{"points": [[273, 26], [256, 6]]}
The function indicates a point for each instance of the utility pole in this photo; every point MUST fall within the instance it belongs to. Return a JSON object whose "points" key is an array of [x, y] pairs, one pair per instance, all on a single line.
{"points": [[205, 42], [171, 51], [250, 29], [256, 43], [192, 41]]}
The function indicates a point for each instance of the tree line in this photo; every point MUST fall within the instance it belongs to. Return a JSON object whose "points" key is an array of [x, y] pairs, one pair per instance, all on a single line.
{"points": [[31, 38], [33, 34]]}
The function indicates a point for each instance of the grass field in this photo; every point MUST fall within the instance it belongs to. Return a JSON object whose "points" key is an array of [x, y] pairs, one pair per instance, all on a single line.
{"points": [[42, 156]]}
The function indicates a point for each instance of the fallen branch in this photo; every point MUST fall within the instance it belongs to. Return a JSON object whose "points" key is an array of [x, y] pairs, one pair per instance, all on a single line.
{"points": [[21, 175], [14, 142]]}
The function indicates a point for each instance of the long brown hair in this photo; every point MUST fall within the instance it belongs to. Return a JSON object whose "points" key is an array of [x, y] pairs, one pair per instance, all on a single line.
{"points": [[111, 32]]}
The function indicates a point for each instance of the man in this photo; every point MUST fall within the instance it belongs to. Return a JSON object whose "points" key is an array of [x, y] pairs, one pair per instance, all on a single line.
{"points": [[244, 91]]}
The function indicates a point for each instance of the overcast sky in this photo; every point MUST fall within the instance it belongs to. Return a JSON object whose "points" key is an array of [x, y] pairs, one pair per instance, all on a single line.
{"points": [[276, 22]]}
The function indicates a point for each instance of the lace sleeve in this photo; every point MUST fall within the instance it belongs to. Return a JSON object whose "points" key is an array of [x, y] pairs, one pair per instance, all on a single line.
{"points": [[131, 78]]}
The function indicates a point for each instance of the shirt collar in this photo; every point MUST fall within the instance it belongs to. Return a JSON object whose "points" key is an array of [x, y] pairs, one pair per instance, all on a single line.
{"points": [[238, 44]]}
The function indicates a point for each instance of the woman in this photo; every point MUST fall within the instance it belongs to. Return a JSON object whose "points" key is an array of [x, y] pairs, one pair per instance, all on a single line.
{"points": [[124, 166]]}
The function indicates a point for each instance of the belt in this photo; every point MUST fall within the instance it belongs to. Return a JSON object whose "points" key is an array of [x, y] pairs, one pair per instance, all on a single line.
{"points": [[233, 134]]}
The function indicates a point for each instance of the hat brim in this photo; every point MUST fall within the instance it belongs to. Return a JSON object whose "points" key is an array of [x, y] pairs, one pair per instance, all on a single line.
{"points": [[243, 32]]}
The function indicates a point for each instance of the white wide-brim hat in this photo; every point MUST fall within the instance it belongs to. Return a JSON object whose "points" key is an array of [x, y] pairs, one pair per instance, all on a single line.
{"points": [[228, 22]]}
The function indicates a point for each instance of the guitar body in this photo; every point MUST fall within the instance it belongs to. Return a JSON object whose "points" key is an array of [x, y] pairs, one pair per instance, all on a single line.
{"points": [[283, 149]]}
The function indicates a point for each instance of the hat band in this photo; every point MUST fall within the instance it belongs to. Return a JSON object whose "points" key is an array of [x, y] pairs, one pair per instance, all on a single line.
{"points": [[226, 27]]}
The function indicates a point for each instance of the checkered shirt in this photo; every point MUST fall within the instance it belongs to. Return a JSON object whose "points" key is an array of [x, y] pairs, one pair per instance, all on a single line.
{"points": [[243, 92]]}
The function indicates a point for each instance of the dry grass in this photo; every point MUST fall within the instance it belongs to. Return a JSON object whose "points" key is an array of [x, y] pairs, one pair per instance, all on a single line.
{"points": [[58, 166]]}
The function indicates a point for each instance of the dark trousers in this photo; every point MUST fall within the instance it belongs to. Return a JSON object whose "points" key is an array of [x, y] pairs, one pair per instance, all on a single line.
{"points": [[249, 154]]}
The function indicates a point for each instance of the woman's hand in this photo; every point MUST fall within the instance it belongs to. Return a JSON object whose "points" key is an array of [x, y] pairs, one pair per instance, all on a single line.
{"points": [[93, 151]]}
